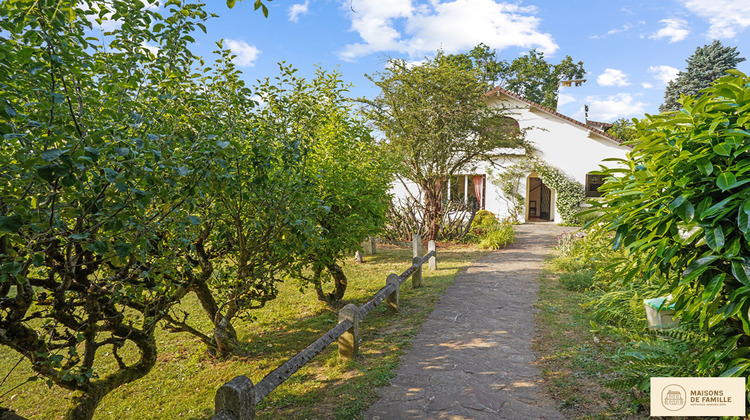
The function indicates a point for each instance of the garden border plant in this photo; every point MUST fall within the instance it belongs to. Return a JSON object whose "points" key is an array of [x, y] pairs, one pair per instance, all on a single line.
{"points": [[680, 206]]}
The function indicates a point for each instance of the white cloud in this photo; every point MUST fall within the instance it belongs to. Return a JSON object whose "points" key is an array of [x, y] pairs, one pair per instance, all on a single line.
{"points": [[298, 9], [727, 17], [612, 77], [626, 27], [245, 54], [663, 74], [614, 107], [647, 85], [401, 26], [563, 99], [674, 29]]}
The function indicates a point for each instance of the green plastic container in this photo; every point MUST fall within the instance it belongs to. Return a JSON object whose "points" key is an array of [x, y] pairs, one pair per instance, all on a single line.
{"points": [[657, 315]]}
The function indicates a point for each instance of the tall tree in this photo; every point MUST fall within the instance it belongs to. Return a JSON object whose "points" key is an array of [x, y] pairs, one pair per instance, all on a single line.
{"points": [[623, 129], [707, 64], [483, 61], [435, 120], [532, 77]]}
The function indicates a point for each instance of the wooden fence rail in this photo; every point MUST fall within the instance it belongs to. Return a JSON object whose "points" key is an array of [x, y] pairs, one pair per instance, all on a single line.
{"points": [[236, 400]]}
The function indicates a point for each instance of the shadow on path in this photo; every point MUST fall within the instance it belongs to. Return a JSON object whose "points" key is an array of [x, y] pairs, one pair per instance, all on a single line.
{"points": [[472, 358]]}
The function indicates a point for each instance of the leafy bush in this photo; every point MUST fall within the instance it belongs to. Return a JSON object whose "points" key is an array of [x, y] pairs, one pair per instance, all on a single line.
{"points": [[499, 237], [684, 350], [583, 250], [483, 222], [681, 207]]}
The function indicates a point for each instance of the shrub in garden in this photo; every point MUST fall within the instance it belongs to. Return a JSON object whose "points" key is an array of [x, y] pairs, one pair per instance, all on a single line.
{"points": [[680, 206], [583, 250], [499, 236], [483, 221]]}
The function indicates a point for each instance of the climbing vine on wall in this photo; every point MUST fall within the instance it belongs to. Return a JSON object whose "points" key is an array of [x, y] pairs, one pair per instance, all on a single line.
{"points": [[569, 192]]}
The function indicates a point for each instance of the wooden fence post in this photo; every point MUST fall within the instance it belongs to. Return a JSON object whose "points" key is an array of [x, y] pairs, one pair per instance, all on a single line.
{"points": [[416, 278], [392, 299], [433, 260], [349, 341], [416, 241], [236, 398]]}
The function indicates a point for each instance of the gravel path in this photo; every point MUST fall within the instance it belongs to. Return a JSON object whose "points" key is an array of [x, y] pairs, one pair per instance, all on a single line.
{"points": [[472, 358]]}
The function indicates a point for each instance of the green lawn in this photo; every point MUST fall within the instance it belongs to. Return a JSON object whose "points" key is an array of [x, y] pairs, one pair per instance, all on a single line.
{"points": [[574, 361], [183, 383]]}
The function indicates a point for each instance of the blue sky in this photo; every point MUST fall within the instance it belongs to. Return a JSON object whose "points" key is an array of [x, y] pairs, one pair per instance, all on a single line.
{"points": [[630, 49]]}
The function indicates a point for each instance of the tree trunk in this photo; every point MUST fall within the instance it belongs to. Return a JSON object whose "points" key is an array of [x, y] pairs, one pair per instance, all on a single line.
{"points": [[433, 203], [85, 401], [226, 339], [339, 284], [225, 334]]}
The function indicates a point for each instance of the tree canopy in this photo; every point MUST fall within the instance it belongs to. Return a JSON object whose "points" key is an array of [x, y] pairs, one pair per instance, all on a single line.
{"points": [[529, 75], [436, 122], [707, 64], [624, 129]]}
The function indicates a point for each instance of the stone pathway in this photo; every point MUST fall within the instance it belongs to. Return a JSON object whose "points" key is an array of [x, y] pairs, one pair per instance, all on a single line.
{"points": [[472, 358]]}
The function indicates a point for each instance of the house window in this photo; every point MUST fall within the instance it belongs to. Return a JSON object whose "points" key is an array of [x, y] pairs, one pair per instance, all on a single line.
{"points": [[468, 188], [593, 182]]}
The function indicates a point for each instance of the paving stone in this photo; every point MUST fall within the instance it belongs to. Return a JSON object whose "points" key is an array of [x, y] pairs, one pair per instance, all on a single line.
{"points": [[472, 358]]}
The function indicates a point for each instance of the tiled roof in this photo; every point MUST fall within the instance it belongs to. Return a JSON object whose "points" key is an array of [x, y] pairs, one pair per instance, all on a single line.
{"points": [[598, 124], [506, 92]]}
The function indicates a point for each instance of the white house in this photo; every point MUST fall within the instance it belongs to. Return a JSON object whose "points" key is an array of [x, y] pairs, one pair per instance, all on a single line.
{"points": [[574, 147]]}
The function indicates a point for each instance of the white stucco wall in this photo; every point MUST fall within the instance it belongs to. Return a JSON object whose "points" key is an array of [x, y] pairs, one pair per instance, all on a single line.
{"points": [[563, 144]]}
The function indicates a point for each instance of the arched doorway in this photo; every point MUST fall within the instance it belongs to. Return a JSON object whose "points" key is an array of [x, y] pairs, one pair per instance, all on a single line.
{"points": [[538, 199]]}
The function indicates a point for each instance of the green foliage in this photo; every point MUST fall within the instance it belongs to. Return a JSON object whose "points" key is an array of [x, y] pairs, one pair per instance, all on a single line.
{"points": [[100, 170], [677, 205], [497, 238], [684, 350], [488, 232], [532, 77], [529, 75], [707, 64], [436, 123], [577, 281], [623, 129], [483, 221], [509, 182], [346, 173], [483, 61], [583, 250]]}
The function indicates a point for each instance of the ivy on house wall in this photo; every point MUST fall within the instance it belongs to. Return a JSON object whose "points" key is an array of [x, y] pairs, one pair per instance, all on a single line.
{"points": [[569, 193]]}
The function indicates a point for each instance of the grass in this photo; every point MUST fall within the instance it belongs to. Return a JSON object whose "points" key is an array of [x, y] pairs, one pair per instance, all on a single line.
{"points": [[574, 361], [183, 383]]}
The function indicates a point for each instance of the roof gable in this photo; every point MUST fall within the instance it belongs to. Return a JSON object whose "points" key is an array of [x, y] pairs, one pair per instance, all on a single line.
{"points": [[497, 91]]}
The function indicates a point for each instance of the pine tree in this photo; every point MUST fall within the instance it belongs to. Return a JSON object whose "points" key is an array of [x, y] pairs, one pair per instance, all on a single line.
{"points": [[707, 64]]}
